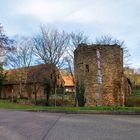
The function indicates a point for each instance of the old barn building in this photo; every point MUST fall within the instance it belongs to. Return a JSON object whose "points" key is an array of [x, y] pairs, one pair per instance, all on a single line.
{"points": [[29, 82], [99, 69]]}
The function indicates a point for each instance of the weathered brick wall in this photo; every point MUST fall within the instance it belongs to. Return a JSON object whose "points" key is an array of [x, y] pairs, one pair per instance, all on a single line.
{"points": [[14, 90], [86, 72]]}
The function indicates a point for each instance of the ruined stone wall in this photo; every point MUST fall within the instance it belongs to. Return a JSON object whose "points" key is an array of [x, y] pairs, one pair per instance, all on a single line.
{"points": [[14, 90], [86, 73]]}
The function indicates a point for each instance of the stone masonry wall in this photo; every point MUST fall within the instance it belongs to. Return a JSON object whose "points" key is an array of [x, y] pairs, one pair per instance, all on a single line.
{"points": [[86, 73]]}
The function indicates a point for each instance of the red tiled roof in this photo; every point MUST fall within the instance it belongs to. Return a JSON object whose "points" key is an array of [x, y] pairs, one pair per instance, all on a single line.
{"points": [[68, 80], [34, 74]]}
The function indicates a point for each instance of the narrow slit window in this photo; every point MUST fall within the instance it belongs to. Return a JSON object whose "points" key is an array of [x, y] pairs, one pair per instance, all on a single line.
{"points": [[87, 68]]}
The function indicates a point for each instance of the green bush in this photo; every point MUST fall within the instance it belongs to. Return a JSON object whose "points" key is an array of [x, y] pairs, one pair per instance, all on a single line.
{"points": [[69, 92], [60, 91], [2, 76], [80, 91], [132, 101], [136, 92]]}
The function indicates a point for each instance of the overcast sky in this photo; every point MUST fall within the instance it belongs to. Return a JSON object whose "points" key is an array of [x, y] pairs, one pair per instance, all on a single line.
{"points": [[119, 18]]}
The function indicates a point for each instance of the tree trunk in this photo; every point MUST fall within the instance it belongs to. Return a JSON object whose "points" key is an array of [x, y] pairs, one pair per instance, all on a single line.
{"points": [[47, 98], [35, 94]]}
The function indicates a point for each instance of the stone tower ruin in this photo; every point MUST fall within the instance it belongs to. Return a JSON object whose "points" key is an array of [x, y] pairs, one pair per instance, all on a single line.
{"points": [[99, 68]]}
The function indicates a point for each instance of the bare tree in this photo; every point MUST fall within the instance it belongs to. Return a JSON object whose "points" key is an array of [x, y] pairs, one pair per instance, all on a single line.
{"points": [[2, 76], [22, 56], [5, 44], [20, 59], [36, 77], [109, 40], [50, 46], [74, 40]]}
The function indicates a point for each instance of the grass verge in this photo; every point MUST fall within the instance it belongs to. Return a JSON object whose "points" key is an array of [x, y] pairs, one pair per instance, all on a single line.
{"points": [[9, 105]]}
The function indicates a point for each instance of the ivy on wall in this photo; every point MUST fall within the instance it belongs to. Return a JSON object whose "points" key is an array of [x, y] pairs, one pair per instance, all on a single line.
{"points": [[80, 91]]}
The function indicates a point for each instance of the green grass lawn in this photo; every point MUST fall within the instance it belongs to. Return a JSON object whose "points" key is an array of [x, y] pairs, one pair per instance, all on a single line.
{"points": [[8, 105]]}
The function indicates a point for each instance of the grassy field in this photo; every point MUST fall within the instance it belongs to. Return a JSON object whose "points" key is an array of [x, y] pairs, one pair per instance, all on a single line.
{"points": [[9, 105]]}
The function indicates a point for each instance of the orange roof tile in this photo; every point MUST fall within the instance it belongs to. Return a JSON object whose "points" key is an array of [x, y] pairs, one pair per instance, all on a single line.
{"points": [[34, 74], [68, 81], [67, 78]]}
